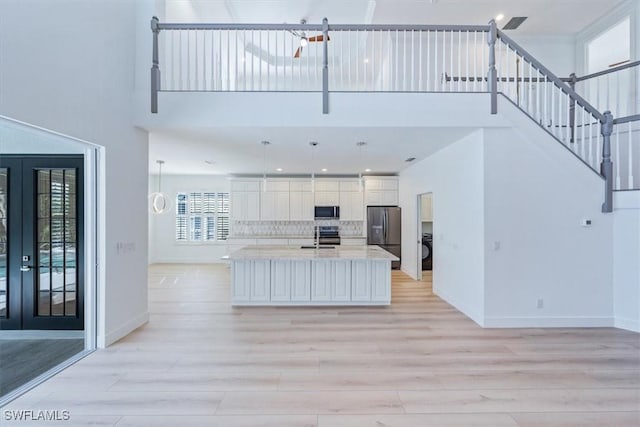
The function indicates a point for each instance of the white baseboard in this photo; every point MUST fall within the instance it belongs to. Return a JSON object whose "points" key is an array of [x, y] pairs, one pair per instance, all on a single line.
{"points": [[125, 329], [463, 308], [548, 322], [628, 324]]}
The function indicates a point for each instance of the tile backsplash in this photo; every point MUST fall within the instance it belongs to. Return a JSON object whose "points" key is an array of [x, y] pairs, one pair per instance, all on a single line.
{"points": [[293, 228]]}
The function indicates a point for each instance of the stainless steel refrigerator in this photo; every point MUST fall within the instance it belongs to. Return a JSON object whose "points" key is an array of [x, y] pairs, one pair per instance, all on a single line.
{"points": [[384, 229]]}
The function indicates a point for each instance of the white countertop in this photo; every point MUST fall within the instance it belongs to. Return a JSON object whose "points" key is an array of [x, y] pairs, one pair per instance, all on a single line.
{"points": [[286, 236], [296, 253]]}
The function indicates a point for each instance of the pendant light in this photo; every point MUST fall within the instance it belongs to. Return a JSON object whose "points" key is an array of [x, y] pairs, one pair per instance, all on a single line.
{"points": [[264, 165], [159, 202], [313, 145], [360, 181]]}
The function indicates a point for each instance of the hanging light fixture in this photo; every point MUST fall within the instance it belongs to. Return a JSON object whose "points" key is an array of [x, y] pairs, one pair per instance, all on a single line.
{"points": [[264, 165], [159, 202], [313, 145], [360, 182]]}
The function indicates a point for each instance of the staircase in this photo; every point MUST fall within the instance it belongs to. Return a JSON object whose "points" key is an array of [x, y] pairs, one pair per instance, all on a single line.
{"points": [[327, 59]]}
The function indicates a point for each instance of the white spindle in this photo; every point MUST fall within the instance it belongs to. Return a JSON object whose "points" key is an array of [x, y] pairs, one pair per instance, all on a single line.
{"points": [[583, 152], [444, 59], [616, 160], [466, 84], [435, 61], [459, 61], [420, 61], [428, 65], [412, 61], [451, 48], [373, 60], [630, 156]]}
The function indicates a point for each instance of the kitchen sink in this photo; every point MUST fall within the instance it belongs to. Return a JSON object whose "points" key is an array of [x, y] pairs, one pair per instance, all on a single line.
{"points": [[319, 247]]}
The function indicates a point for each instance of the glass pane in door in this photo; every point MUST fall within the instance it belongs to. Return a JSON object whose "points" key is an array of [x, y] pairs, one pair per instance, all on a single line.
{"points": [[3, 241], [57, 234]]}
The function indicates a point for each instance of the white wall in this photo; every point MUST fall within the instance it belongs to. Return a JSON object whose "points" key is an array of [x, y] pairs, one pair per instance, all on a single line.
{"points": [[69, 66], [557, 53], [626, 260], [536, 195], [454, 176], [163, 247]]}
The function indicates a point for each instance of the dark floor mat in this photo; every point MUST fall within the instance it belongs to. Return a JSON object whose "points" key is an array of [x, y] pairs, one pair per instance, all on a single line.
{"points": [[23, 360]]}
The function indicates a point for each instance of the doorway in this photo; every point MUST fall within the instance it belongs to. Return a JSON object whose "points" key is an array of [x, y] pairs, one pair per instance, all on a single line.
{"points": [[424, 234], [41, 242]]}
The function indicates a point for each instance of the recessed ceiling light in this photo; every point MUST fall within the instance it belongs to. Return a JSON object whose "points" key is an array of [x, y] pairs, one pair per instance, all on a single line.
{"points": [[367, 170], [409, 159], [324, 169], [499, 17], [279, 169]]}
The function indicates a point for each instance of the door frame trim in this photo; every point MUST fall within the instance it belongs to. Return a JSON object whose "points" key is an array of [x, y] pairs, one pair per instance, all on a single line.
{"points": [[94, 234]]}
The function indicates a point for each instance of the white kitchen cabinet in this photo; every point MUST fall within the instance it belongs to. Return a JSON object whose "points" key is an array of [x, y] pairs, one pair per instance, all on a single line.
{"points": [[341, 280], [304, 186], [300, 281], [380, 279], [351, 206], [280, 280], [360, 281], [327, 185], [261, 280], [327, 198], [241, 272], [351, 185], [275, 206], [426, 208], [245, 205], [301, 206], [321, 281], [381, 191]]}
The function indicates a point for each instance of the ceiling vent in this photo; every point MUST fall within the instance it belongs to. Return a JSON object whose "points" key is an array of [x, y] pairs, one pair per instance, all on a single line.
{"points": [[514, 23]]}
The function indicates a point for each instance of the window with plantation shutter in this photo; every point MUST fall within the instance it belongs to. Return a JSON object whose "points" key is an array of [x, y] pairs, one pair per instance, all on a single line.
{"points": [[202, 216]]}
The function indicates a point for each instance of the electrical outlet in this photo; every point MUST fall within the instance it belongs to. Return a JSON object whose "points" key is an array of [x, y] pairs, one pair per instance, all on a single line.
{"points": [[540, 303]]}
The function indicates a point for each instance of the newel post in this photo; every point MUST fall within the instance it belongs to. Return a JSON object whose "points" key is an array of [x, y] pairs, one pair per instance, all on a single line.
{"points": [[606, 167], [325, 66], [493, 74], [155, 67]]}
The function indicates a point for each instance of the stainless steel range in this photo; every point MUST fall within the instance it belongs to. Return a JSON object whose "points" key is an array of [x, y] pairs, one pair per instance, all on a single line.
{"points": [[327, 235]]}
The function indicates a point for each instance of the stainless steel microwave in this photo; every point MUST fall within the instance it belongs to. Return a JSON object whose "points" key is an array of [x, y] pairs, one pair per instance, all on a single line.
{"points": [[327, 212]]}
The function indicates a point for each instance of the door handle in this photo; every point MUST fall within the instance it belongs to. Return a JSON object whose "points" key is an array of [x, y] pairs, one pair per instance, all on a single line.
{"points": [[25, 268]]}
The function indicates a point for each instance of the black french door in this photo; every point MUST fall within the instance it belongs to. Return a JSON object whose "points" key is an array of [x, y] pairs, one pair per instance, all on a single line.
{"points": [[41, 242]]}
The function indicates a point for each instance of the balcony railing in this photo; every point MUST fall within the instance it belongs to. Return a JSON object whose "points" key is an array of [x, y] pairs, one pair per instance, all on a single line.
{"points": [[391, 58]]}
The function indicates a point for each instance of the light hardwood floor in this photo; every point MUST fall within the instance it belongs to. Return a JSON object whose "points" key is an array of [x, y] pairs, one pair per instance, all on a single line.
{"points": [[419, 362]]}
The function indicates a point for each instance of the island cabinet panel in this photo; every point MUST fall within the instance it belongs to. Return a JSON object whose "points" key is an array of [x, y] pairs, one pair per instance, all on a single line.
{"points": [[281, 280], [241, 273], [261, 281], [341, 281], [321, 280], [360, 281], [300, 281], [380, 278]]}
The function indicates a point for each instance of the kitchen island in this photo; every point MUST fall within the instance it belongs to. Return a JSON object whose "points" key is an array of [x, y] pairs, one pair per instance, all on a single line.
{"points": [[294, 275]]}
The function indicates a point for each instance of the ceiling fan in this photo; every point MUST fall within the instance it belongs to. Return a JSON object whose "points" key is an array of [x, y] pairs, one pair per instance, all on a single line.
{"points": [[304, 40]]}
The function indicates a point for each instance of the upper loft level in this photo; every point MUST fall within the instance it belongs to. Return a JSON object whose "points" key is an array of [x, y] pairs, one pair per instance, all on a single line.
{"points": [[273, 74]]}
